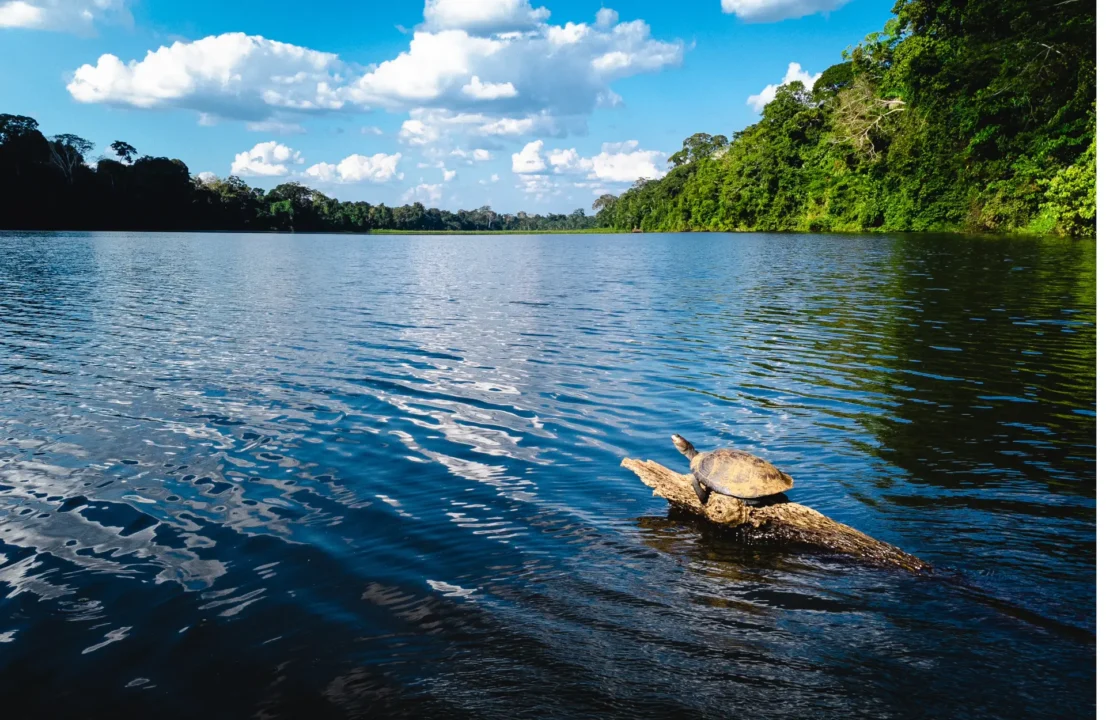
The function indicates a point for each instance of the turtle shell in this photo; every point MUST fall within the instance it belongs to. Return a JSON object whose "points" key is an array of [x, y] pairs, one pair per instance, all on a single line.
{"points": [[739, 474]]}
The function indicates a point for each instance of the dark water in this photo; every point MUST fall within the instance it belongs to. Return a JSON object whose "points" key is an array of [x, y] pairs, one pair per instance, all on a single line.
{"points": [[274, 476]]}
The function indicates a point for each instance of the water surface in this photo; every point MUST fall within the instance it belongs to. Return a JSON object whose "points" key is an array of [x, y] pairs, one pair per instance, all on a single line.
{"points": [[337, 476]]}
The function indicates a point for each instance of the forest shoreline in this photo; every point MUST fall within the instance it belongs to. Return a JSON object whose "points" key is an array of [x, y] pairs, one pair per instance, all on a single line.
{"points": [[874, 232]]}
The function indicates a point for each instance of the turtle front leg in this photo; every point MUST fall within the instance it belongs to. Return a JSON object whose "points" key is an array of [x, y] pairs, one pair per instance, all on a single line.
{"points": [[700, 490]]}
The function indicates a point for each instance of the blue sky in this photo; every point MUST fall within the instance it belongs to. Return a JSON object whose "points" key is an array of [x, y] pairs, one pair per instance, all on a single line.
{"points": [[522, 105]]}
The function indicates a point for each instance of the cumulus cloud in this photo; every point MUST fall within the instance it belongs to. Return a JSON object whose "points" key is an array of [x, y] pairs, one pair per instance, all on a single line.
{"points": [[483, 16], [539, 186], [424, 193], [553, 71], [768, 94], [70, 15], [454, 75], [616, 163], [417, 132], [489, 91], [371, 130], [624, 162], [529, 159], [755, 11], [605, 18], [358, 168], [565, 160], [448, 175], [268, 159], [207, 177], [232, 75]]}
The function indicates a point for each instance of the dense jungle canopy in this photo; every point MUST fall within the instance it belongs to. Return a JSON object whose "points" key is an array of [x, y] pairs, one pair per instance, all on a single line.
{"points": [[959, 115]]}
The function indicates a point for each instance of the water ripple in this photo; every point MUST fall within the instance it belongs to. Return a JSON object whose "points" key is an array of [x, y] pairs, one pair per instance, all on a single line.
{"points": [[308, 476]]}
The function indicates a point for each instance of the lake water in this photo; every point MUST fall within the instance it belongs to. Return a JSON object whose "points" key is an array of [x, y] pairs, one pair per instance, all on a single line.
{"points": [[339, 476]]}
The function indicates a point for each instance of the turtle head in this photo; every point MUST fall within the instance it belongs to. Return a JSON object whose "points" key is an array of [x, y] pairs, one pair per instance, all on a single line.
{"points": [[684, 447]]}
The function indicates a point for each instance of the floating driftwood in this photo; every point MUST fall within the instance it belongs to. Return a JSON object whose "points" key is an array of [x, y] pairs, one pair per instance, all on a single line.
{"points": [[782, 523]]}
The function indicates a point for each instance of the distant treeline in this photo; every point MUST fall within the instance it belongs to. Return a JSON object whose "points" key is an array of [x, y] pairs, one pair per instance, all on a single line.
{"points": [[49, 183], [960, 115]]}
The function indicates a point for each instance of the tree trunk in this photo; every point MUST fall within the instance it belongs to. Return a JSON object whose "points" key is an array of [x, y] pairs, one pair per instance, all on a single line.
{"points": [[783, 524]]}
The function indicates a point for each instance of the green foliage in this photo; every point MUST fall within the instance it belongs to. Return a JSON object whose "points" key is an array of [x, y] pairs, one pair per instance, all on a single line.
{"points": [[700, 146], [959, 115], [1070, 198]]}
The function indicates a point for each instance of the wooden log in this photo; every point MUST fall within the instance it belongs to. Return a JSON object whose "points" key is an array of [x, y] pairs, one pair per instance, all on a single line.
{"points": [[784, 523]]}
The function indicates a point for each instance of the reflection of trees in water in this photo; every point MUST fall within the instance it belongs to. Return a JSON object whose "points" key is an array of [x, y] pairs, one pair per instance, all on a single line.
{"points": [[988, 352]]}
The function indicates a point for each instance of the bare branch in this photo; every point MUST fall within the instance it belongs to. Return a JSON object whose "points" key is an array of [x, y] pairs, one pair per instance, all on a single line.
{"points": [[861, 115]]}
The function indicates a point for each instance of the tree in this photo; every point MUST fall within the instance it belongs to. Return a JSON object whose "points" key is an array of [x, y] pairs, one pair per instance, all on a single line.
{"points": [[15, 126], [699, 146], [863, 118], [46, 184], [604, 201], [959, 114], [67, 154], [124, 150]]}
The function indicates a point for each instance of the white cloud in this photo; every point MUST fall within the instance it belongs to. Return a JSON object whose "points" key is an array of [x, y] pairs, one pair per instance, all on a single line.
{"points": [[435, 64], [564, 160], [529, 159], [448, 175], [488, 91], [371, 130], [570, 34], [70, 15], [426, 194], [268, 159], [507, 126], [617, 163], [768, 94], [207, 177], [624, 163], [546, 80], [477, 155], [483, 16], [232, 75], [358, 168], [606, 18], [22, 15], [276, 127], [773, 10], [416, 132], [537, 185], [491, 180]]}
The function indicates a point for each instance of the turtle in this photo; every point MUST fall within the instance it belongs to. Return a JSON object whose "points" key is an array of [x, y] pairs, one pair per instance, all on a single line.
{"points": [[732, 472]]}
